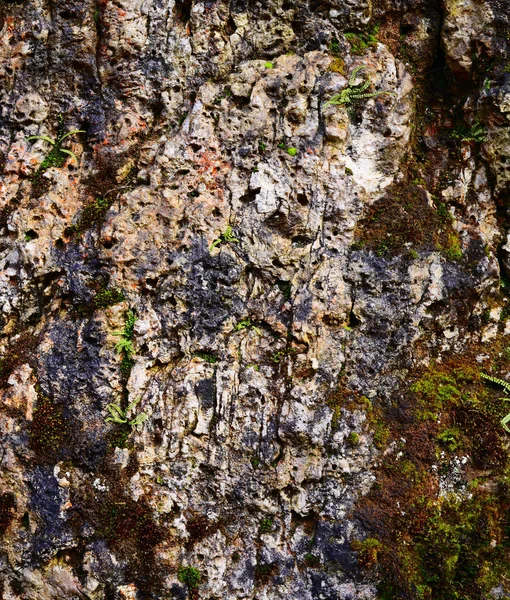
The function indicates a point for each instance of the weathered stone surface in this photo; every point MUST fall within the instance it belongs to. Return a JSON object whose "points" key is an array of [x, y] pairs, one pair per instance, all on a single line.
{"points": [[278, 308]]}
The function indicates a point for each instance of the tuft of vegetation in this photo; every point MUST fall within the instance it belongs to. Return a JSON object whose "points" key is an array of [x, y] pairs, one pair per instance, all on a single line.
{"points": [[292, 151], [190, 576], [119, 416], [57, 155], [353, 438], [354, 92], [361, 42], [93, 215], [266, 525], [477, 133], [438, 523], [506, 386], [124, 346], [337, 65], [247, 324], [404, 219], [368, 551], [227, 237], [268, 65], [48, 430], [108, 297], [207, 356]]}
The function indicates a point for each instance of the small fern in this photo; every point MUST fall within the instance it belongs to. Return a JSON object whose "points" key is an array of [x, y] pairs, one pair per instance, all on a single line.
{"points": [[477, 133], [124, 345], [506, 386], [353, 93], [119, 416], [226, 237]]}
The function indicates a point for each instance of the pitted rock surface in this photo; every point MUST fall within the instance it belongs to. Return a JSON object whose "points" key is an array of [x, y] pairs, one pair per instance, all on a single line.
{"points": [[203, 117]]}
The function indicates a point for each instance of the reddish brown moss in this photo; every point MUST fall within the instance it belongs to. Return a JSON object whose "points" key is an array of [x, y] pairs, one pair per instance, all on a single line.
{"points": [[7, 511], [20, 351], [451, 548], [404, 220], [49, 431], [128, 527]]}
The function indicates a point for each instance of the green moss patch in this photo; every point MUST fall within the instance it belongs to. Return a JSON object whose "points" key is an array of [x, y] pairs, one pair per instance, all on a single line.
{"points": [[427, 546]]}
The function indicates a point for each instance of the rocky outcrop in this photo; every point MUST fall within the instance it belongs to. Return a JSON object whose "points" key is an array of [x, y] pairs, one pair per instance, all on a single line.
{"points": [[218, 288]]}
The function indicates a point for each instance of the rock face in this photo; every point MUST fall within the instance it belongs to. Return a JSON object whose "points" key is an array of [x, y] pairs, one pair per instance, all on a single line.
{"points": [[218, 288]]}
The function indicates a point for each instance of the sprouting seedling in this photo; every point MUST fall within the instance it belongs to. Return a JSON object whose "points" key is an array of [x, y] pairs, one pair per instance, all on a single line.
{"points": [[247, 324], [354, 92], [506, 386], [225, 238], [119, 416], [55, 157]]}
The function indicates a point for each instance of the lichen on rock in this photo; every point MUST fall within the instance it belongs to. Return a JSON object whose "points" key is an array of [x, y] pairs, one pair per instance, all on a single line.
{"points": [[288, 300]]}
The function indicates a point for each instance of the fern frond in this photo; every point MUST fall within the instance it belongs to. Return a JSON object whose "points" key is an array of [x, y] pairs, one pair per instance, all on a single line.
{"points": [[505, 421], [353, 93], [124, 345], [117, 415], [133, 404], [139, 419], [354, 74], [504, 384], [362, 87]]}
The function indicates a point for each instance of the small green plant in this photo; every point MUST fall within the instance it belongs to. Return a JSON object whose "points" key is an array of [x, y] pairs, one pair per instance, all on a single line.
{"points": [[477, 133], [266, 525], [282, 145], [262, 146], [207, 356], [353, 438], [119, 416], [449, 438], [56, 156], [125, 344], [292, 151], [354, 92], [226, 237], [269, 65], [506, 386], [190, 576], [361, 42], [106, 297], [247, 324], [334, 46]]}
